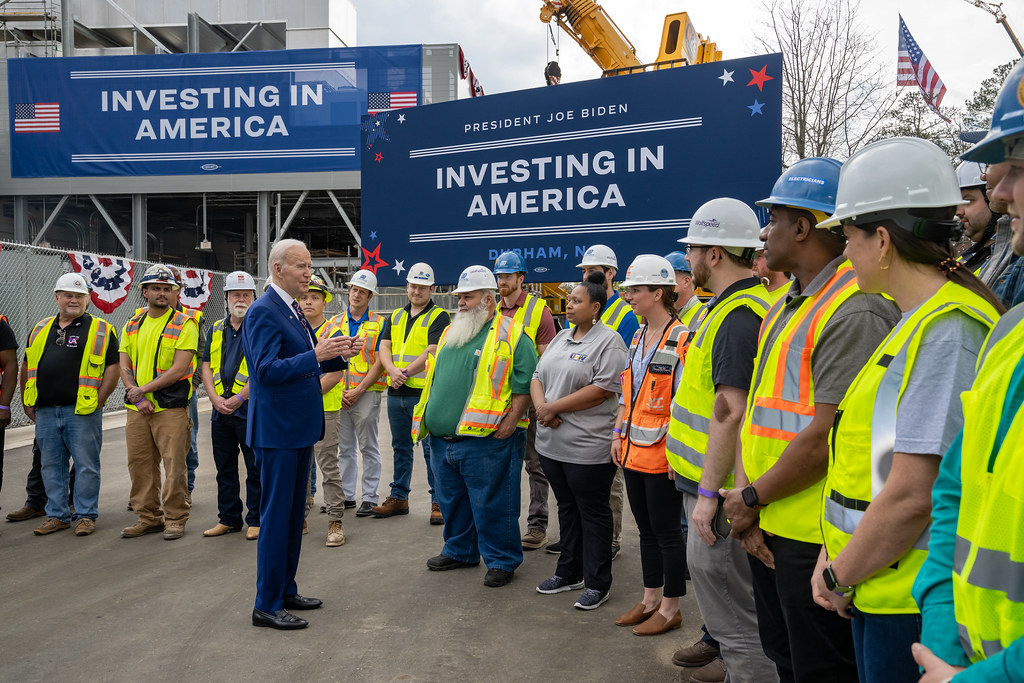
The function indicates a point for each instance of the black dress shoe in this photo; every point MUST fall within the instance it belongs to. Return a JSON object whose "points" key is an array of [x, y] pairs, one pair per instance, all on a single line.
{"points": [[365, 510], [349, 504], [496, 578], [281, 619], [442, 563], [299, 602]]}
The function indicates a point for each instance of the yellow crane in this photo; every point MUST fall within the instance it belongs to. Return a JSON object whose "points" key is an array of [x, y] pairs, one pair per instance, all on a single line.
{"points": [[596, 32]]}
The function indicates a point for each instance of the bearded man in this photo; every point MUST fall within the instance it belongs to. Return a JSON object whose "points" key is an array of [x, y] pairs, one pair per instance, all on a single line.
{"points": [[226, 379], [477, 430]]}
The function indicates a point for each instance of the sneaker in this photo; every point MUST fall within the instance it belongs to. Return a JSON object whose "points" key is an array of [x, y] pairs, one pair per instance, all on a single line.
{"points": [[591, 599], [556, 584], [391, 507], [442, 563], [712, 672], [696, 655], [173, 532], [436, 518], [50, 525], [533, 539], [365, 509], [616, 549], [140, 528], [553, 548], [335, 534], [496, 578], [84, 526]]}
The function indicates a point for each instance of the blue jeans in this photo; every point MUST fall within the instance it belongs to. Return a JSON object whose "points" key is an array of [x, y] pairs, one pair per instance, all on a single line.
{"points": [[882, 645], [400, 420], [479, 481], [62, 435], [192, 457]]}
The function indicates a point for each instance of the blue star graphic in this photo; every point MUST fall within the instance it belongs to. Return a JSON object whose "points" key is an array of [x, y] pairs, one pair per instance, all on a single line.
{"points": [[373, 233], [756, 107]]}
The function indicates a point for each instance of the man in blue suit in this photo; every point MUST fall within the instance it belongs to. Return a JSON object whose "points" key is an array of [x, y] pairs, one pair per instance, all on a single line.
{"points": [[286, 418]]}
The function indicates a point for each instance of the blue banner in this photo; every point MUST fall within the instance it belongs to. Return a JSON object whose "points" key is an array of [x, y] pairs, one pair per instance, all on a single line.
{"points": [[194, 114], [622, 161]]}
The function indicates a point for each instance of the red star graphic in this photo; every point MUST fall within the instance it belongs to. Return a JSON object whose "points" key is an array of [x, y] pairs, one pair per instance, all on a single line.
{"points": [[379, 157], [758, 78], [374, 255]]}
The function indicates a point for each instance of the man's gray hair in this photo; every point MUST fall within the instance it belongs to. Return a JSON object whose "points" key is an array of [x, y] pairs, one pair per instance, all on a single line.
{"points": [[278, 251]]}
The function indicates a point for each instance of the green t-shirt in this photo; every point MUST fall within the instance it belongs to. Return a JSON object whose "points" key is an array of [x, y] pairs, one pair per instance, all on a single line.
{"points": [[142, 347], [453, 380]]}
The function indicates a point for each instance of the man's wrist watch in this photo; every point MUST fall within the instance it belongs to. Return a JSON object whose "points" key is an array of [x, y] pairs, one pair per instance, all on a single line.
{"points": [[833, 584], [750, 498]]}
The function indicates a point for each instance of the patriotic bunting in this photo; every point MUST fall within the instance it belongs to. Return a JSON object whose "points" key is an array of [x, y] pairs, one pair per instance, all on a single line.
{"points": [[109, 279]]}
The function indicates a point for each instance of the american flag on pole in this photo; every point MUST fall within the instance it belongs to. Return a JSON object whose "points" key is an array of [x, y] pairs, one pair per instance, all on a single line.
{"points": [[39, 117], [377, 102], [913, 68]]}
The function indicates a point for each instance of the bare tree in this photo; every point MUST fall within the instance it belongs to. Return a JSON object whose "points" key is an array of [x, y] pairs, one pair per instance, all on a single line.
{"points": [[836, 90]]}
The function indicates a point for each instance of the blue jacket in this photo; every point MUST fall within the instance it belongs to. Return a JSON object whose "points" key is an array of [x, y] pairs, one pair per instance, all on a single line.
{"points": [[286, 407]]}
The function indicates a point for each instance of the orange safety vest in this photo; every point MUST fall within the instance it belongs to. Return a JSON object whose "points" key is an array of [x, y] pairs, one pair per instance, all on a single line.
{"points": [[645, 423]]}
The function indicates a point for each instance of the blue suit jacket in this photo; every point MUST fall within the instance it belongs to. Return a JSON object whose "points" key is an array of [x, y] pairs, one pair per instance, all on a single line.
{"points": [[286, 407]]}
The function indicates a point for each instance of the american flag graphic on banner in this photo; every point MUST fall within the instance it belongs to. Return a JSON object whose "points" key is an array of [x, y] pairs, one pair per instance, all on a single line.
{"points": [[39, 117], [913, 68], [376, 102]]}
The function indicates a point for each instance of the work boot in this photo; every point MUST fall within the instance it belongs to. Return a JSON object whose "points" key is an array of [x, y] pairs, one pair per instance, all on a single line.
{"points": [[23, 513], [533, 539], [173, 532], [436, 518], [712, 672], [140, 528], [84, 526], [696, 655], [50, 525], [335, 534], [391, 507]]}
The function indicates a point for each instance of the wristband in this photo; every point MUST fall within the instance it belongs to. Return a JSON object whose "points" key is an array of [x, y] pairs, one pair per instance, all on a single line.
{"points": [[5, 408], [614, 431], [707, 494]]}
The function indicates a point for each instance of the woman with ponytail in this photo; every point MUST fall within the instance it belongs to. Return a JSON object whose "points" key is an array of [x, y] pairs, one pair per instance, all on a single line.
{"points": [[896, 203]]}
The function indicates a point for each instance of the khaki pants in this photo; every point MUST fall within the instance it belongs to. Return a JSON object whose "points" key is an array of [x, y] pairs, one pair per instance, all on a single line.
{"points": [[161, 437], [325, 451], [615, 500]]}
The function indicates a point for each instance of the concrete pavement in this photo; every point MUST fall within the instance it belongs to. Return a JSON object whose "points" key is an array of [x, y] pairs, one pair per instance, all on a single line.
{"points": [[103, 608]]}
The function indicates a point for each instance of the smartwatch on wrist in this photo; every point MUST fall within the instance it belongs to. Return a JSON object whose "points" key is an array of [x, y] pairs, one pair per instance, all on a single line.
{"points": [[750, 498], [833, 585]]}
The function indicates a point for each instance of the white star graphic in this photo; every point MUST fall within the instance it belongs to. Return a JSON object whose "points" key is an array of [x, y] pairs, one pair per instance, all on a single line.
{"points": [[399, 266], [726, 77], [377, 123], [401, 118]]}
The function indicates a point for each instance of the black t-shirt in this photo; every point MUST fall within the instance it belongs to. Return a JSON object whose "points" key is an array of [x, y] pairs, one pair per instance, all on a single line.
{"points": [[434, 333], [57, 378], [7, 339], [735, 345]]}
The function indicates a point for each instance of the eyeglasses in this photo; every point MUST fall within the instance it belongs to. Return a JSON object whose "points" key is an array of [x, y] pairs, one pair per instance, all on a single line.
{"points": [[61, 334], [691, 247]]}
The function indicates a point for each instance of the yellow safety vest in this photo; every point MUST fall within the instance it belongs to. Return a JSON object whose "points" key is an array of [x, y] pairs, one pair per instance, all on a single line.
{"points": [[862, 442], [90, 372], [333, 398], [614, 315], [491, 396], [775, 294], [781, 402], [988, 562], [529, 315], [216, 344], [359, 366], [404, 350], [689, 314], [194, 314], [688, 431], [164, 356]]}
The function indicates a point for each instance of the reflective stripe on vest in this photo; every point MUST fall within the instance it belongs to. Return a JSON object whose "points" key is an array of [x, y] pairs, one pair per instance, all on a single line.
{"points": [[405, 350], [690, 427], [369, 331], [614, 314], [988, 562], [863, 440], [216, 346], [529, 315], [645, 422], [688, 316], [90, 370], [781, 401], [490, 397], [333, 398]]}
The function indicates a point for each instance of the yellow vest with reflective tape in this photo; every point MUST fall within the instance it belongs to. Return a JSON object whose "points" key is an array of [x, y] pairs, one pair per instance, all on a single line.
{"points": [[613, 315], [369, 332], [491, 396], [404, 350], [333, 398], [862, 442], [216, 346], [988, 562], [90, 372], [775, 294], [688, 431], [688, 315], [529, 315], [781, 402], [173, 326]]}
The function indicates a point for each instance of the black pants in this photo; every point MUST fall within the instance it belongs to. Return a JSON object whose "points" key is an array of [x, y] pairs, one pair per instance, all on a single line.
{"points": [[657, 508], [228, 435], [584, 520], [35, 492], [805, 642]]}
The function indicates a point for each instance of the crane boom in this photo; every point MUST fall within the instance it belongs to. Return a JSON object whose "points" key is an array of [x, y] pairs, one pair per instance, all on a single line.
{"points": [[996, 10], [594, 31]]}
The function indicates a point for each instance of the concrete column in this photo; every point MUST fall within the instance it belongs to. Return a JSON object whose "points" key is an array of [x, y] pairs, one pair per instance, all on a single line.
{"points": [[21, 219], [140, 247]]}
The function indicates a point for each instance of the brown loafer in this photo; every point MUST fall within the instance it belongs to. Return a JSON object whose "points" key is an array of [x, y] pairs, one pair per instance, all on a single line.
{"points": [[23, 513], [658, 624], [637, 615]]}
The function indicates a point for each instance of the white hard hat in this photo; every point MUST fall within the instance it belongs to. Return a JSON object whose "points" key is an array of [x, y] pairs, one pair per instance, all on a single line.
{"points": [[599, 255], [968, 173], [364, 279], [239, 280], [724, 222], [420, 274], [266, 285], [894, 175], [649, 269], [71, 282], [474, 278]]}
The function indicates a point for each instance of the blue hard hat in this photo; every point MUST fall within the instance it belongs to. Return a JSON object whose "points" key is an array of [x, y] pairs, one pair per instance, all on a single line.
{"points": [[678, 261], [509, 262], [1007, 121], [810, 183]]}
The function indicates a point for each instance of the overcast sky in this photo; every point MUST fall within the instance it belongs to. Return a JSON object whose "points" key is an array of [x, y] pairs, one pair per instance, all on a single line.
{"points": [[508, 46]]}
